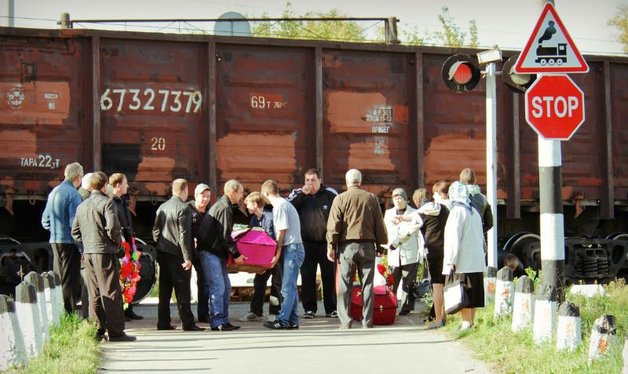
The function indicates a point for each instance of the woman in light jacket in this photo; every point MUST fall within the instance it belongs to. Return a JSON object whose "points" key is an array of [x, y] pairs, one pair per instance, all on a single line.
{"points": [[464, 250]]}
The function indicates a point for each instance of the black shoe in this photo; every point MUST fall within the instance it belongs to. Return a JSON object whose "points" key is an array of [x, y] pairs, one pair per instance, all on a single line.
{"points": [[275, 325], [132, 315], [292, 327], [203, 319], [169, 327], [193, 328], [122, 338], [224, 327], [232, 326], [404, 312]]}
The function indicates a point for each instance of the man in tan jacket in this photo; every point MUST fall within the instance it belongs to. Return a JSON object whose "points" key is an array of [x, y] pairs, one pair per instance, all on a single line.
{"points": [[355, 231]]}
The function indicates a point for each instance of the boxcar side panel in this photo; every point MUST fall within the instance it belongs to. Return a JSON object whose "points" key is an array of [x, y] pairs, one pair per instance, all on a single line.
{"points": [[151, 106]]}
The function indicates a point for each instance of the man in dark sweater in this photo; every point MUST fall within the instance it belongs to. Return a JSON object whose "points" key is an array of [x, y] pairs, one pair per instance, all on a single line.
{"points": [[313, 202], [96, 226], [215, 245]]}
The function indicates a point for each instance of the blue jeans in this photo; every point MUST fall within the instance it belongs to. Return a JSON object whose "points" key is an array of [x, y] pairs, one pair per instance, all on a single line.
{"points": [[215, 269], [293, 255], [203, 289]]}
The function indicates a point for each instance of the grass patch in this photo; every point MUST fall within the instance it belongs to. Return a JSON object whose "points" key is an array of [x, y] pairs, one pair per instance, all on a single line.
{"points": [[493, 341], [72, 349]]}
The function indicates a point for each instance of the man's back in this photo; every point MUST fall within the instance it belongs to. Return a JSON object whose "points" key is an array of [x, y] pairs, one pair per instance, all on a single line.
{"points": [[98, 224], [60, 211], [356, 215], [285, 217], [173, 227]]}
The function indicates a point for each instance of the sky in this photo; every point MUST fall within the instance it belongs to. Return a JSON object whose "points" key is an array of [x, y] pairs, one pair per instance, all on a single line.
{"points": [[506, 23]]}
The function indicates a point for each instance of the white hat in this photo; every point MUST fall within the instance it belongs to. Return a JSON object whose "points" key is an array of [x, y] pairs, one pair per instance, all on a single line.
{"points": [[200, 188]]}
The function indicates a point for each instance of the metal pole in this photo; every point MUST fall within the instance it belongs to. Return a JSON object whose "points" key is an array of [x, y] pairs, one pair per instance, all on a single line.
{"points": [[11, 13], [491, 159], [552, 221]]}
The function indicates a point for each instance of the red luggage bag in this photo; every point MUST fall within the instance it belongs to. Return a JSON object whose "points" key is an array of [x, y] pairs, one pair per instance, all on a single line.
{"points": [[384, 307]]}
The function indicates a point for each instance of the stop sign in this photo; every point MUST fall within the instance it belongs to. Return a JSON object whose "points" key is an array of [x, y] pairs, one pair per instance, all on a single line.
{"points": [[554, 107]]}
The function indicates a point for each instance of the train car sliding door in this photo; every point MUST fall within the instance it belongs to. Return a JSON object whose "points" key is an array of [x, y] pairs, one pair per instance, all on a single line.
{"points": [[366, 101], [151, 103], [264, 120]]}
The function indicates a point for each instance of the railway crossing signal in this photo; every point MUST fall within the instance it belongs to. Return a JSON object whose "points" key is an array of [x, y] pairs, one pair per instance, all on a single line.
{"points": [[550, 49], [460, 73], [554, 107]]}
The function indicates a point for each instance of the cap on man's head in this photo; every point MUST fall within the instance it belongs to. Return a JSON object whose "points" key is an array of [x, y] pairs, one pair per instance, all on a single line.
{"points": [[200, 188], [400, 192]]}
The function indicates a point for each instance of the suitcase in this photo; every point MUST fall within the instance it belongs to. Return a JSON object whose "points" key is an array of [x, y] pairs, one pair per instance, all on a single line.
{"points": [[257, 246], [384, 307]]}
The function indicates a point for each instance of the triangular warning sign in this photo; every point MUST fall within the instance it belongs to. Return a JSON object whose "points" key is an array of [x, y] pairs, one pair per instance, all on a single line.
{"points": [[550, 48]]}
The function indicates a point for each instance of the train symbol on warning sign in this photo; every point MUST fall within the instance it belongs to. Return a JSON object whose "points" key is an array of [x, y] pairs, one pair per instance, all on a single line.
{"points": [[550, 49]]}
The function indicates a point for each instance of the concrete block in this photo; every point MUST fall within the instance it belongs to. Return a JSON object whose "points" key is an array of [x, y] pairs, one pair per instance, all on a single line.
{"points": [[12, 350], [504, 292], [489, 285], [588, 290], [569, 330], [36, 280], [545, 309], [603, 337], [28, 316], [523, 308]]}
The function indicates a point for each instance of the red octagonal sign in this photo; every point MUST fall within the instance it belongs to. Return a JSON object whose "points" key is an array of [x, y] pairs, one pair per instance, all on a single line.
{"points": [[554, 107]]}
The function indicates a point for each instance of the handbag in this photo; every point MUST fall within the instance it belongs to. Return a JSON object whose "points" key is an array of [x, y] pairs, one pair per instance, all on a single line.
{"points": [[456, 297]]}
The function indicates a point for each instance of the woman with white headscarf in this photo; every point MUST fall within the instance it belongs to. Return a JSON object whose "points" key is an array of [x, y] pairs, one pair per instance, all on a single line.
{"points": [[464, 250]]}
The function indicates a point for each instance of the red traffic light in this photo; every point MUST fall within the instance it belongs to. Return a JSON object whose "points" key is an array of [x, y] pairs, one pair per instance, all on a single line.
{"points": [[460, 73]]}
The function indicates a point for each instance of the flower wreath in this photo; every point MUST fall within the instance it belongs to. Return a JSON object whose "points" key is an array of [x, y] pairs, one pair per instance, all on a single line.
{"points": [[382, 268], [129, 271]]}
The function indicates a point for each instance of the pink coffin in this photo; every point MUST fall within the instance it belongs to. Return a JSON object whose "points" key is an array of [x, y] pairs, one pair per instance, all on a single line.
{"points": [[256, 246]]}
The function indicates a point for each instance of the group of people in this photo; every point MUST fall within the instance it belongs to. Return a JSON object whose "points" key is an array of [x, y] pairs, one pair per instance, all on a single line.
{"points": [[99, 223], [314, 227]]}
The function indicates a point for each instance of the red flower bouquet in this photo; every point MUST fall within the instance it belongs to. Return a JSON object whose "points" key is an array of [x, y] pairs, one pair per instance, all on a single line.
{"points": [[129, 271], [382, 268]]}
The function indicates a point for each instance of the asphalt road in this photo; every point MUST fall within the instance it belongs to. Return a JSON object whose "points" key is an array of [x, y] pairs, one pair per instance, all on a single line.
{"points": [[317, 347]]}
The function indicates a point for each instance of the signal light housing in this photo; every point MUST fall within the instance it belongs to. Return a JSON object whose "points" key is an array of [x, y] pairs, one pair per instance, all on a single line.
{"points": [[460, 73], [515, 81]]}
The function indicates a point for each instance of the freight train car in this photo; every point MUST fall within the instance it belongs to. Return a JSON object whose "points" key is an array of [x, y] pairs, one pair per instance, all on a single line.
{"points": [[208, 108]]}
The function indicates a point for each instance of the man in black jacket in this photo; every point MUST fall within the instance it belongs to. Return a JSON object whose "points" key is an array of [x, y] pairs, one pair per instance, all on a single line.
{"points": [[96, 226], [313, 202], [120, 186], [215, 246], [172, 232]]}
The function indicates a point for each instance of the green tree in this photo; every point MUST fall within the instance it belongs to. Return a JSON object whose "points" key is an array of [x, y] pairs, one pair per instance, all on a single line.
{"points": [[450, 36], [319, 30], [620, 21]]}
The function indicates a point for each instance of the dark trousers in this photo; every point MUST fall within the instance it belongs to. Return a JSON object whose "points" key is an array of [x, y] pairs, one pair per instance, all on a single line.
{"points": [[315, 255], [259, 284], [67, 265], [102, 273], [172, 276], [408, 274], [202, 284], [354, 256]]}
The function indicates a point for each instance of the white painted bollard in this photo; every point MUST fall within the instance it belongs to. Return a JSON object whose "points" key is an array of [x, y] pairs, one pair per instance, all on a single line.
{"points": [[504, 292], [523, 310], [49, 286], [602, 337], [37, 281], [569, 331], [12, 351], [489, 285], [58, 299], [27, 312], [545, 308]]}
